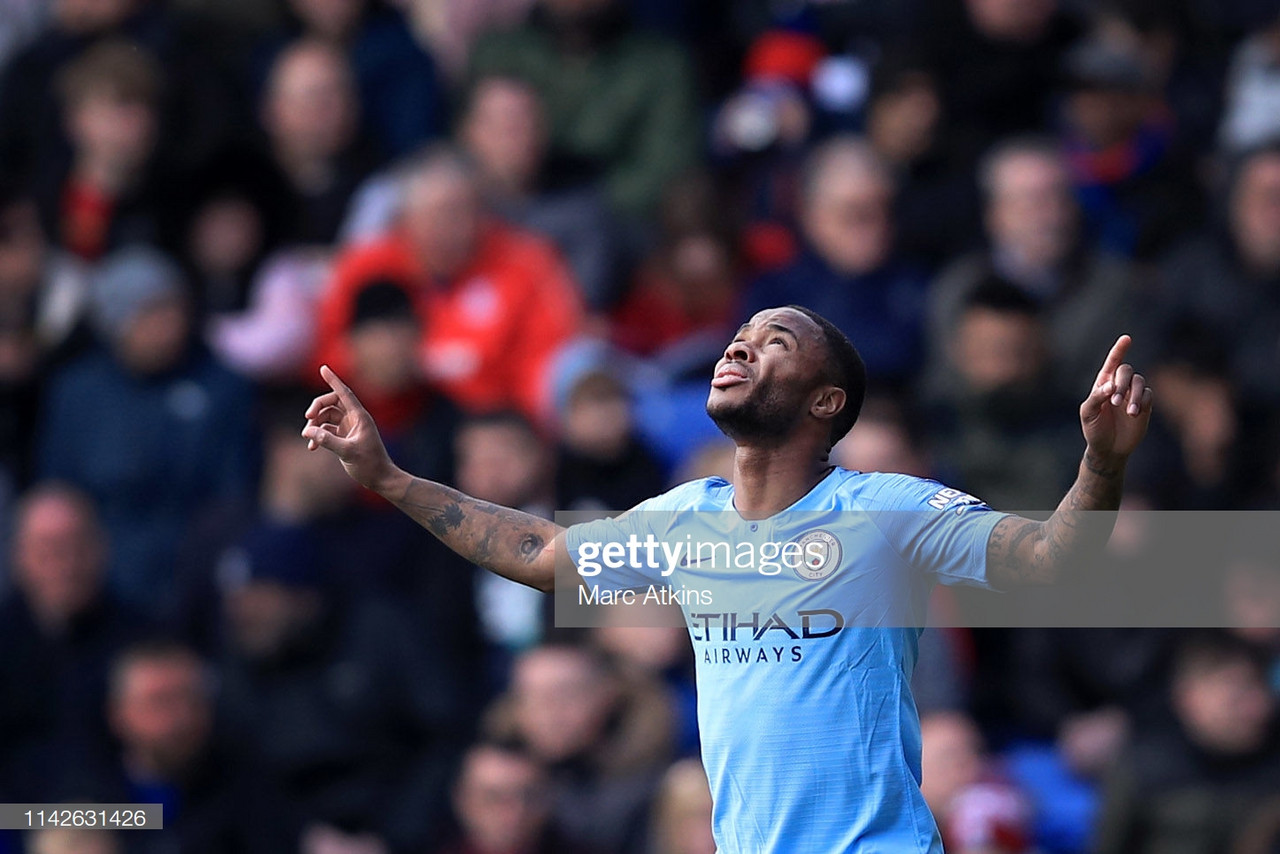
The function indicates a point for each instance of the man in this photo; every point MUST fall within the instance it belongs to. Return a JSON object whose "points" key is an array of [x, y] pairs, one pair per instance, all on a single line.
{"points": [[496, 304], [154, 459], [1035, 241], [619, 101], [160, 710], [818, 750], [848, 271], [60, 626]]}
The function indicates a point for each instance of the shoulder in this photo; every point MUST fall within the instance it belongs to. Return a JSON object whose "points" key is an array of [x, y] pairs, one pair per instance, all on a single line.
{"points": [[93, 370], [892, 491], [521, 257]]}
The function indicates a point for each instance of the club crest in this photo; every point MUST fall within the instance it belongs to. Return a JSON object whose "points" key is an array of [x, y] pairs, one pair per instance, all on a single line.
{"points": [[820, 555]]}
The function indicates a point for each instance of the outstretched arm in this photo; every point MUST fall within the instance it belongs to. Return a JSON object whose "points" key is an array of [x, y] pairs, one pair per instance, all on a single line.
{"points": [[513, 544], [1114, 418]]}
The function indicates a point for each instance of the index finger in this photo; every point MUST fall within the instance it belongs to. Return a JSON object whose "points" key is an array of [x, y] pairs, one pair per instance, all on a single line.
{"points": [[346, 395], [1115, 358]]}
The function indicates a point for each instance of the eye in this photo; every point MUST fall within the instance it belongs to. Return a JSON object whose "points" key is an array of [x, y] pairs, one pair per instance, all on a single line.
{"points": [[781, 341]]}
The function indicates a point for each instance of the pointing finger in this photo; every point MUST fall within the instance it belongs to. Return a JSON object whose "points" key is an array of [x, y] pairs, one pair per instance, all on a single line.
{"points": [[346, 395], [1114, 359]]}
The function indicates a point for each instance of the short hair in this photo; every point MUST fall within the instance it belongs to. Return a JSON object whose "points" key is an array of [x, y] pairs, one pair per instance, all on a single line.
{"points": [[436, 157], [1024, 145], [843, 149], [119, 68], [996, 294], [149, 651], [847, 371], [1211, 650]]}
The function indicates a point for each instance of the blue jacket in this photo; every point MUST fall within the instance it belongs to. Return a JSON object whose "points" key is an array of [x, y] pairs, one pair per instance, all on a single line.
{"points": [[152, 451], [882, 312]]}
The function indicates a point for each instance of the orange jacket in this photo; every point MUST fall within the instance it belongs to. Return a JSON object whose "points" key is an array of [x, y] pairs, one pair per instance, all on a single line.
{"points": [[488, 334]]}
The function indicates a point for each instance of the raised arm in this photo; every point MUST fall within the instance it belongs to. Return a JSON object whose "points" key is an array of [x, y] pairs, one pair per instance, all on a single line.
{"points": [[1114, 418], [513, 544]]}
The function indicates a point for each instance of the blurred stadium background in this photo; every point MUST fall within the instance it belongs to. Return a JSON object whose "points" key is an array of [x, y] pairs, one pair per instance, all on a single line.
{"points": [[522, 230]]}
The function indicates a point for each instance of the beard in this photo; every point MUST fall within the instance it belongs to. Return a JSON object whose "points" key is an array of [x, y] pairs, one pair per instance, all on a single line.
{"points": [[764, 417]]}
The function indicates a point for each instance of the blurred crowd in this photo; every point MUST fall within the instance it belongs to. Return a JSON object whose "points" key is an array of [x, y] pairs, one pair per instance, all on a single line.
{"points": [[523, 231]]}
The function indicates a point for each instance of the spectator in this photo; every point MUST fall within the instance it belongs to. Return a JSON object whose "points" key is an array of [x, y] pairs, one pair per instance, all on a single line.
{"points": [[936, 204], [503, 133], [848, 272], [683, 301], [502, 804], [110, 194], [396, 81], [504, 130], [336, 695], [1194, 459], [1190, 786], [1036, 241], [496, 304], [761, 133], [237, 209], [1001, 427], [618, 100], [310, 113], [602, 463], [172, 425], [1123, 151], [60, 627], [501, 457], [997, 63], [1228, 278], [886, 440], [196, 105], [976, 811], [682, 811], [160, 711], [603, 740], [647, 644], [417, 423]]}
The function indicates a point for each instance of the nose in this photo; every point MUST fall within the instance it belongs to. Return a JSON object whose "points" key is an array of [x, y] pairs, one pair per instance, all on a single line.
{"points": [[738, 351]]}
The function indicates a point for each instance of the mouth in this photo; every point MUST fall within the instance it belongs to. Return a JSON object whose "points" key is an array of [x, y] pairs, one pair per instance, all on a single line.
{"points": [[729, 376]]}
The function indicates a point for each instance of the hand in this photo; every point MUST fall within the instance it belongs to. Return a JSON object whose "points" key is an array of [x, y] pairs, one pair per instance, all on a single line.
{"points": [[1115, 414], [337, 422]]}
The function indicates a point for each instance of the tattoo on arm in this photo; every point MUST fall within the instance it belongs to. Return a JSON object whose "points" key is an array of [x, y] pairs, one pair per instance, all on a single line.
{"points": [[1024, 551], [506, 541]]}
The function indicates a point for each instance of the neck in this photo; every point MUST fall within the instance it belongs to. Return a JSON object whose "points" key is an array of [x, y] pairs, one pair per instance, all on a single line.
{"points": [[104, 175], [768, 480], [308, 172]]}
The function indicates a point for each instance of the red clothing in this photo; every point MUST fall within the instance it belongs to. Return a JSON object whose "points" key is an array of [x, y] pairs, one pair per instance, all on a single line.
{"points": [[489, 334], [86, 220]]}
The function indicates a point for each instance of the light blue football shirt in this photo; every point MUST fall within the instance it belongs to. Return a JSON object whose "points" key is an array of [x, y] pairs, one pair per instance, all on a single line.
{"points": [[810, 735]]}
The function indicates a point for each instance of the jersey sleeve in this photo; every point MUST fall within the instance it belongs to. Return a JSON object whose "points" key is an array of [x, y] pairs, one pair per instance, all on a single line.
{"points": [[601, 550], [940, 531]]}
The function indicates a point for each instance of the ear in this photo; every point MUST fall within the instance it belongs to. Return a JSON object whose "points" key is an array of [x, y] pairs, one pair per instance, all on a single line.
{"points": [[828, 403]]}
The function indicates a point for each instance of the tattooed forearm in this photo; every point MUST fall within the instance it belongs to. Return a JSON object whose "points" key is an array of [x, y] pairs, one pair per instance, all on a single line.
{"points": [[1024, 551], [508, 542]]}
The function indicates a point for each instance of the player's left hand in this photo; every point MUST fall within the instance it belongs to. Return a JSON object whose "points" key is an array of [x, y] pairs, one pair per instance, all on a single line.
{"points": [[1117, 411]]}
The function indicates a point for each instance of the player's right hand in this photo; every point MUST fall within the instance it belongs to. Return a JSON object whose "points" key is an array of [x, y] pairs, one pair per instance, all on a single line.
{"points": [[337, 422]]}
